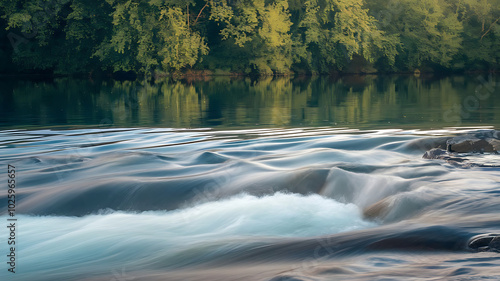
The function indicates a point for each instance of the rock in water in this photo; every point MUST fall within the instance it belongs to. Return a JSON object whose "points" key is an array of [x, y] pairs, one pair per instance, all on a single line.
{"points": [[435, 153], [470, 145], [378, 210], [479, 142], [438, 153], [485, 243]]}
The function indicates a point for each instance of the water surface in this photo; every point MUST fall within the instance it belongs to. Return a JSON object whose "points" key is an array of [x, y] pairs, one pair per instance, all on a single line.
{"points": [[368, 102], [249, 180]]}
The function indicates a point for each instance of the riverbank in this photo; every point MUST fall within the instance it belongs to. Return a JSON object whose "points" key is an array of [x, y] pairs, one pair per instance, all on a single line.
{"points": [[207, 75]]}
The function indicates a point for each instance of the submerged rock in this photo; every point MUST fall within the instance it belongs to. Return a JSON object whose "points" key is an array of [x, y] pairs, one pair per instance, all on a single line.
{"points": [[438, 153], [378, 210], [485, 243]]}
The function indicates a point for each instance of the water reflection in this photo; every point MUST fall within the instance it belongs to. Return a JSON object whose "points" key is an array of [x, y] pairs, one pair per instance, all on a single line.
{"points": [[353, 101]]}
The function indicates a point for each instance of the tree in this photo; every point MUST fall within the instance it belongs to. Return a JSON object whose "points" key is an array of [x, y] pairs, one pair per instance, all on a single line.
{"points": [[429, 32], [481, 36], [250, 36], [151, 34], [334, 30], [261, 29]]}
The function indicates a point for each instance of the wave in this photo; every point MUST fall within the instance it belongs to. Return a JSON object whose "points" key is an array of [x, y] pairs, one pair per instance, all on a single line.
{"points": [[93, 202], [98, 242]]}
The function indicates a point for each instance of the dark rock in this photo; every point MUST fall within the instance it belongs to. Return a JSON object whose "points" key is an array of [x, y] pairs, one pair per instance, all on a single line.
{"points": [[470, 145], [438, 153], [495, 244], [478, 142], [485, 243]]}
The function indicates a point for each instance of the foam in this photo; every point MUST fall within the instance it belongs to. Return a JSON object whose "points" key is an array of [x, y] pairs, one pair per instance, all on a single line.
{"points": [[52, 245]]}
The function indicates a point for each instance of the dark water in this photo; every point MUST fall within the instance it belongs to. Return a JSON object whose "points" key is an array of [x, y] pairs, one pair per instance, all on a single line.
{"points": [[368, 102], [236, 180]]}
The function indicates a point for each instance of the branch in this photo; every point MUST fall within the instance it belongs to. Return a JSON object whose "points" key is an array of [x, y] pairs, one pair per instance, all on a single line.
{"points": [[489, 29], [199, 14]]}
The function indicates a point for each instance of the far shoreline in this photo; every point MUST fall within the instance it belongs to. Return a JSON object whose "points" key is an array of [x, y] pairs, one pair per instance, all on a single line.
{"points": [[207, 75]]}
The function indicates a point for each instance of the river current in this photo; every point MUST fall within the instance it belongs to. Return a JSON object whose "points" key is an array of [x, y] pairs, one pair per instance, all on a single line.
{"points": [[303, 203]]}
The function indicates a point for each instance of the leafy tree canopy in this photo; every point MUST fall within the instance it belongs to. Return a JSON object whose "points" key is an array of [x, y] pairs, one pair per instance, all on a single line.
{"points": [[250, 36]]}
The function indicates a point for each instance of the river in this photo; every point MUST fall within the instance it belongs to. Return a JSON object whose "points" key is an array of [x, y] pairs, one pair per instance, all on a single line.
{"points": [[241, 179]]}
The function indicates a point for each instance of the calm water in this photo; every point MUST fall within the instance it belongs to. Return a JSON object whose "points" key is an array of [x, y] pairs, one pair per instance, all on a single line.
{"points": [[353, 101], [312, 179]]}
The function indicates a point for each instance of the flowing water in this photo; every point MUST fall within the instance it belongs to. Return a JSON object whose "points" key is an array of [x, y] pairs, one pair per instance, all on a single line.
{"points": [[248, 180]]}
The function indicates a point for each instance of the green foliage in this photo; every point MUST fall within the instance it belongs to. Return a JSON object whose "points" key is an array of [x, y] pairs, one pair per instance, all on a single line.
{"points": [[180, 46], [250, 36], [262, 30], [428, 32], [481, 32], [335, 30], [444, 32], [150, 35]]}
